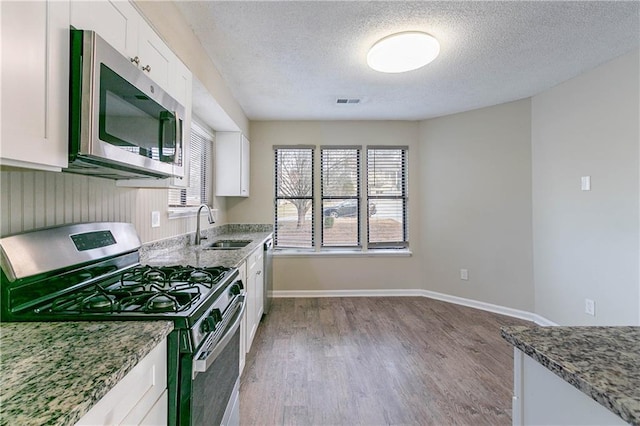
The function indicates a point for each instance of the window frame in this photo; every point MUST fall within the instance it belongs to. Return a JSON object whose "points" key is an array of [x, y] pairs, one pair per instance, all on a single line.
{"points": [[357, 197], [404, 197], [365, 247], [206, 136], [311, 197]]}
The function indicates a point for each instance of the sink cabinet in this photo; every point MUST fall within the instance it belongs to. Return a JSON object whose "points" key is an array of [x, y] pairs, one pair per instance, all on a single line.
{"points": [[232, 164], [140, 398], [35, 84]]}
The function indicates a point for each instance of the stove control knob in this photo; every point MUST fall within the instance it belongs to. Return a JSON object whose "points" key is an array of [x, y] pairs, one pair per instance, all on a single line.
{"points": [[234, 289], [210, 322]]}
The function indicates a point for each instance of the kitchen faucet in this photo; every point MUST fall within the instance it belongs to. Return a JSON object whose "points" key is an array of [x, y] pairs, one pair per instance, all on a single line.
{"points": [[209, 217]]}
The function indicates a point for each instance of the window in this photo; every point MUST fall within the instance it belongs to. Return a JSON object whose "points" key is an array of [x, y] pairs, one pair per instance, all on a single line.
{"points": [[387, 196], [200, 161], [340, 187], [344, 211], [294, 218]]}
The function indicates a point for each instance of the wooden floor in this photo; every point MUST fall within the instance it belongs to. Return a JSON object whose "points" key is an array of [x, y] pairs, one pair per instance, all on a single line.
{"points": [[377, 361]]}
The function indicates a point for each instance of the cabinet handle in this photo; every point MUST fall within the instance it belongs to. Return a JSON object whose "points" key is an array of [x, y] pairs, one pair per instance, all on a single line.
{"points": [[146, 68], [258, 273], [135, 60]]}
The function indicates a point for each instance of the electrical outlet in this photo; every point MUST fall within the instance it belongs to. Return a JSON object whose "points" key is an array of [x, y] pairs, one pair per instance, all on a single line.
{"points": [[155, 219], [589, 307], [464, 274]]}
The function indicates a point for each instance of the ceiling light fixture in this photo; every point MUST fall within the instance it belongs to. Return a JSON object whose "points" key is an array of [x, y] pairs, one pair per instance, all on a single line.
{"points": [[403, 52]]}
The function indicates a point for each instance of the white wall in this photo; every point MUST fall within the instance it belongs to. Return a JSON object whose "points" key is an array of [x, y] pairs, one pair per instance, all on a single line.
{"points": [[475, 204], [586, 243], [331, 273]]}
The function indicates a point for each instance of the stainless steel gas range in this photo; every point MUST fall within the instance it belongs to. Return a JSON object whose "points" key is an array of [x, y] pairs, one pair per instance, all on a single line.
{"points": [[91, 271]]}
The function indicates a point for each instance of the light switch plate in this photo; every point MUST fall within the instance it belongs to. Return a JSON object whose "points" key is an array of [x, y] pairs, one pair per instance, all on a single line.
{"points": [[589, 307], [155, 219], [464, 274], [585, 183]]}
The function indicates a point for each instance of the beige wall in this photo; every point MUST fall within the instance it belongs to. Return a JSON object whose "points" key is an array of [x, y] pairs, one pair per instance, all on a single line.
{"points": [[586, 243], [331, 273], [475, 204]]}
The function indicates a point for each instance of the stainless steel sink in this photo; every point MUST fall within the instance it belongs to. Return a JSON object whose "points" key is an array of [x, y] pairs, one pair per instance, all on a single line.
{"points": [[227, 245]]}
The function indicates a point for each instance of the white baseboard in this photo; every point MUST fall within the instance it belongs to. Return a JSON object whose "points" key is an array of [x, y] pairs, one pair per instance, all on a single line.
{"points": [[502, 310]]}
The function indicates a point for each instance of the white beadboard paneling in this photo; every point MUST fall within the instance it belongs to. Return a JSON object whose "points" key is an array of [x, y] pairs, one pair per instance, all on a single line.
{"points": [[39, 200], [4, 204], [16, 223], [59, 198], [31, 200], [28, 201]]}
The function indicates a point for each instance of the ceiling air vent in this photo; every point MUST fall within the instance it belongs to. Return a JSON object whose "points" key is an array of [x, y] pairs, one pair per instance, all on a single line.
{"points": [[347, 101]]}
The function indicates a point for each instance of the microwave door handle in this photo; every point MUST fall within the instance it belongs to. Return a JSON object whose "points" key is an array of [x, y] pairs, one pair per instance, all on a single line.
{"points": [[164, 116], [179, 139]]}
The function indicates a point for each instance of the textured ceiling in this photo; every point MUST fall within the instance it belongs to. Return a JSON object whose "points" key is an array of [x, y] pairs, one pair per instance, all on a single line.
{"points": [[290, 60]]}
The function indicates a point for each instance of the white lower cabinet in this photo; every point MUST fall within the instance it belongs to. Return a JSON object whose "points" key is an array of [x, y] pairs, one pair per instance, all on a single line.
{"points": [[255, 291], [542, 398], [140, 398]]}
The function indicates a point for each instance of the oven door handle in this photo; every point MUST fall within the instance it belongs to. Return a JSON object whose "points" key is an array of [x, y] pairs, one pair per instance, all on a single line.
{"points": [[202, 365]]}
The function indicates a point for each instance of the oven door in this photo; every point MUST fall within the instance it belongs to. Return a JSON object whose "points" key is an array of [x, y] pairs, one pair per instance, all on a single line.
{"points": [[216, 374]]}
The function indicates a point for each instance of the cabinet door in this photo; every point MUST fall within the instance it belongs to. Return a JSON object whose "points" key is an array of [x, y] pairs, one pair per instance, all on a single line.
{"points": [[131, 399], [155, 56], [232, 164], [35, 84], [115, 21]]}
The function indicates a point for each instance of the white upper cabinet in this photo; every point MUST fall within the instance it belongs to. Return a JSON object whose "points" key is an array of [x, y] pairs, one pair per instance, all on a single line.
{"points": [[156, 59], [115, 21], [232, 164], [35, 84], [120, 24]]}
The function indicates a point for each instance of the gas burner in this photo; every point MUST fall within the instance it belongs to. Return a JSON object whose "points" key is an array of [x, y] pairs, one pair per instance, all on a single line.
{"points": [[154, 275], [161, 303], [98, 303], [199, 277]]}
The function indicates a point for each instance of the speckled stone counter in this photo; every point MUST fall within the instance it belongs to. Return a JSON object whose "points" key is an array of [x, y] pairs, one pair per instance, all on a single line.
{"points": [[602, 362], [53, 373], [181, 251]]}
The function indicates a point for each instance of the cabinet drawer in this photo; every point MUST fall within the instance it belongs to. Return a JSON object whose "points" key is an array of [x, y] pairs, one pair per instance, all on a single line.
{"points": [[255, 259], [135, 395]]}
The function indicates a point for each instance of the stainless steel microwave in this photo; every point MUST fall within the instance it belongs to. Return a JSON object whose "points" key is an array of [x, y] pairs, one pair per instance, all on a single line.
{"points": [[122, 125]]}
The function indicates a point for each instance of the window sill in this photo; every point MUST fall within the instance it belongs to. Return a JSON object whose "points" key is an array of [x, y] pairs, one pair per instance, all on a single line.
{"points": [[343, 253], [182, 212]]}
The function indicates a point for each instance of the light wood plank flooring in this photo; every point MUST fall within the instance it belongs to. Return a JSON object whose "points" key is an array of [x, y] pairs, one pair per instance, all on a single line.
{"points": [[377, 361]]}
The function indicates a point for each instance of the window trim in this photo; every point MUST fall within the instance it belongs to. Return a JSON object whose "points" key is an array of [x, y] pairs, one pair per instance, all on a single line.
{"points": [[404, 197], [184, 210], [357, 197], [366, 249], [311, 197]]}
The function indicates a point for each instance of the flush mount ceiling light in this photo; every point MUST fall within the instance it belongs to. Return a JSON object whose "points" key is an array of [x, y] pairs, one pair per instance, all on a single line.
{"points": [[403, 52]]}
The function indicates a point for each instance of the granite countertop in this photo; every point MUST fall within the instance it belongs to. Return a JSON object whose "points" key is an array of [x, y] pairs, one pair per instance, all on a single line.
{"points": [[181, 251], [602, 362], [54, 372]]}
